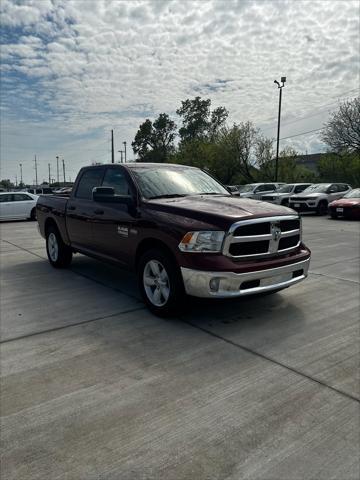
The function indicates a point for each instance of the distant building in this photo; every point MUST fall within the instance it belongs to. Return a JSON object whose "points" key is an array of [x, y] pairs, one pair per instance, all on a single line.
{"points": [[310, 161]]}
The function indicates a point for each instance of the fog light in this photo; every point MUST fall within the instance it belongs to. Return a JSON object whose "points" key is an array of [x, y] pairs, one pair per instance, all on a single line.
{"points": [[214, 284]]}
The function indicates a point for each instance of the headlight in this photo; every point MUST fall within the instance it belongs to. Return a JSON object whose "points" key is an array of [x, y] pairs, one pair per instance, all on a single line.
{"points": [[206, 241]]}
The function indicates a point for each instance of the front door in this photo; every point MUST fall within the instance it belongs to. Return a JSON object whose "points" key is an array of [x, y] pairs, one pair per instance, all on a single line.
{"points": [[114, 223], [80, 209], [6, 206]]}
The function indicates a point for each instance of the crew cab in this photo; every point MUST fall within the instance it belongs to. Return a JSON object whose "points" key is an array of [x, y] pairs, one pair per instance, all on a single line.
{"points": [[179, 229], [317, 197]]}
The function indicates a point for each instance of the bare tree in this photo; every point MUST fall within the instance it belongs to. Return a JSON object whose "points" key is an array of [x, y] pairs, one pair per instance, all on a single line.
{"points": [[342, 131]]}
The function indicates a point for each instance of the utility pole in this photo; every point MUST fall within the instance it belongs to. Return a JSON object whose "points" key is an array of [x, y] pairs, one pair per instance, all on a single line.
{"points": [[112, 147], [21, 175], [49, 174], [36, 174], [280, 87], [57, 168], [15, 180], [121, 155], [125, 150], [63, 165]]}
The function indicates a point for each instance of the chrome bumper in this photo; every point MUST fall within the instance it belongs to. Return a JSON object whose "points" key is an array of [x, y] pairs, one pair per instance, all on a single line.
{"points": [[204, 284]]}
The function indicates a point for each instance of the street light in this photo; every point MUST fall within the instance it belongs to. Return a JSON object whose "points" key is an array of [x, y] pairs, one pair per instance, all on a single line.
{"points": [[21, 175], [125, 150], [280, 87]]}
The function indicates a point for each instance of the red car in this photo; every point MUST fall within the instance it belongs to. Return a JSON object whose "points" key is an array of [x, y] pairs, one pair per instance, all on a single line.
{"points": [[347, 207]]}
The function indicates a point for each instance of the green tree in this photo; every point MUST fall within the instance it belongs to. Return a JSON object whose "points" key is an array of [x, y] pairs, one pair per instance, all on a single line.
{"points": [[154, 141], [6, 184], [198, 122], [342, 131], [340, 168]]}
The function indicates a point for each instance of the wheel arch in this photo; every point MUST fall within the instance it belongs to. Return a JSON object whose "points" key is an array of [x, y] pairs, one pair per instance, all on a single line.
{"points": [[152, 243]]}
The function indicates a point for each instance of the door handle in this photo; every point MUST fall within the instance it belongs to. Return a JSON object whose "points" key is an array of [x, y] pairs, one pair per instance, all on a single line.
{"points": [[71, 208], [99, 212]]}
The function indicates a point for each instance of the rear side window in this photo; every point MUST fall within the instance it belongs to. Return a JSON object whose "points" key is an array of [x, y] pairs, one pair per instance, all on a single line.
{"points": [[115, 177], [5, 198], [21, 197], [342, 187], [269, 187], [89, 179]]}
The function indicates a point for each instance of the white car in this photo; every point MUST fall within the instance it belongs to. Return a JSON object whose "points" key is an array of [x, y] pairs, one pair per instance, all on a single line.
{"points": [[257, 190], [17, 205], [317, 197], [281, 196]]}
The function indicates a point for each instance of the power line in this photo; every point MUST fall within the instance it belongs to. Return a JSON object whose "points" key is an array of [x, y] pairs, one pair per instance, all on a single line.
{"points": [[302, 133]]}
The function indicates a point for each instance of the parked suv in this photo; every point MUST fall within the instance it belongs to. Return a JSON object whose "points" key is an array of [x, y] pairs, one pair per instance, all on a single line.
{"points": [[257, 190], [282, 195], [317, 197]]}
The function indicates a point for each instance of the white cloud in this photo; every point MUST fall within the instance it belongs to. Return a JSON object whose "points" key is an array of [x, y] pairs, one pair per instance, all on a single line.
{"points": [[88, 67]]}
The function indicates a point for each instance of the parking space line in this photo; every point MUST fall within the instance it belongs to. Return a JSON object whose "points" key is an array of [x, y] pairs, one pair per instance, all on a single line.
{"points": [[332, 276], [80, 274], [63, 327], [273, 360]]}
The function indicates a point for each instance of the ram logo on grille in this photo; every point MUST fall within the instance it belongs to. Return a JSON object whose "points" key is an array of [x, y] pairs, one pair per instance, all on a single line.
{"points": [[275, 231]]}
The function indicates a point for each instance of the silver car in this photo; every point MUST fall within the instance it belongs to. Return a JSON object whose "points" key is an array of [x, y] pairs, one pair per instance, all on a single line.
{"points": [[282, 195], [257, 190]]}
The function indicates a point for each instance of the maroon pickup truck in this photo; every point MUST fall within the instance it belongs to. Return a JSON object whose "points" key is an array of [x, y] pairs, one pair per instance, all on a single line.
{"points": [[179, 229]]}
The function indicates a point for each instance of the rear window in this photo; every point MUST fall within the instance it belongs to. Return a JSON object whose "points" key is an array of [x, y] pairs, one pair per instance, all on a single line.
{"points": [[89, 179]]}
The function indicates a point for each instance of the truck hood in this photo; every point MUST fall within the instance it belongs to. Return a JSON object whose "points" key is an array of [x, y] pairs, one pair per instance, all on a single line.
{"points": [[219, 210]]}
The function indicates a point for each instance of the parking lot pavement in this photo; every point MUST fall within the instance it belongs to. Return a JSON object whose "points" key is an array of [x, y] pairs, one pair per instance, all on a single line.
{"points": [[95, 387]]}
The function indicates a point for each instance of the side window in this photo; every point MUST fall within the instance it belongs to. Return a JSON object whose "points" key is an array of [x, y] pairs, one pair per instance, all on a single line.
{"points": [[21, 197], [260, 188], [5, 198], [342, 187], [39, 191], [115, 177], [269, 187], [89, 179], [300, 188]]}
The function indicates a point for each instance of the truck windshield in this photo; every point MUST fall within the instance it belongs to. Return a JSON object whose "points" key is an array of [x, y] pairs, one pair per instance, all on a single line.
{"points": [[167, 182]]}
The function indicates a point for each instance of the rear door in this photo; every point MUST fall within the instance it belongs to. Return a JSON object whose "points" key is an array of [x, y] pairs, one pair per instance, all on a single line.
{"points": [[80, 209], [6, 206], [22, 205], [113, 223]]}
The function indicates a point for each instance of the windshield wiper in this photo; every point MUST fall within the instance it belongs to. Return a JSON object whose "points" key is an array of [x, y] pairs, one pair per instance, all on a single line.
{"points": [[168, 195], [211, 193]]}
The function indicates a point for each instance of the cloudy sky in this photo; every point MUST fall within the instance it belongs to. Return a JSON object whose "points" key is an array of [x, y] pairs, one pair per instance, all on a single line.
{"points": [[74, 69]]}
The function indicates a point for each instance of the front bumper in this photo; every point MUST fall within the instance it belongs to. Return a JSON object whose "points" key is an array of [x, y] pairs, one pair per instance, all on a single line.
{"points": [[204, 284], [304, 206]]}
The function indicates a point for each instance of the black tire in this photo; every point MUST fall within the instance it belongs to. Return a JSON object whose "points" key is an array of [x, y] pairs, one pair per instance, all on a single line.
{"points": [[166, 307], [333, 215], [63, 256], [322, 208], [33, 214]]}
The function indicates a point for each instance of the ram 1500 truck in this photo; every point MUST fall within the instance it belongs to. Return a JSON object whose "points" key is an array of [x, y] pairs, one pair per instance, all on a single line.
{"points": [[179, 229]]}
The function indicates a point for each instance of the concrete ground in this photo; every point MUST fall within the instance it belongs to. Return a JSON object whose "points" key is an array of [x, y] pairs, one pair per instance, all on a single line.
{"points": [[95, 387]]}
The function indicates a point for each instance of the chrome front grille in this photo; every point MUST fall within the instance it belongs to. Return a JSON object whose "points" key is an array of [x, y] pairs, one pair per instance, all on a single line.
{"points": [[263, 237]]}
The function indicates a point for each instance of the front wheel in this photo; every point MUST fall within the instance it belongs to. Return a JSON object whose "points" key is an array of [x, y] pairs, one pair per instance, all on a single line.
{"points": [[322, 208], [160, 283], [33, 215], [59, 254]]}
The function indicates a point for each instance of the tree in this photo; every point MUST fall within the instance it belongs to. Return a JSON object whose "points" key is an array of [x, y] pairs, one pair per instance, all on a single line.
{"points": [[155, 141], [344, 168], [6, 184], [198, 122], [342, 131]]}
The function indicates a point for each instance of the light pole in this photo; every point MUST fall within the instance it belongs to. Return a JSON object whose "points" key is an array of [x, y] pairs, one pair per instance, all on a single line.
{"points": [[280, 87], [121, 155], [21, 176], [125, 150], [57, 169]]}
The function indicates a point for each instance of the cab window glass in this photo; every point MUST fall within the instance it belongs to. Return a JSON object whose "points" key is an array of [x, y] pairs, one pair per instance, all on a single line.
{"points": [[89, 179], [21, 197], [116, 179]]}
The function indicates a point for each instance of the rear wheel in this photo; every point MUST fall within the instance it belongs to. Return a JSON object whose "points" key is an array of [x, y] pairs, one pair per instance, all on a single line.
{"points": [[160, 283], [33, 214], [59, 254], [322, 208]]}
